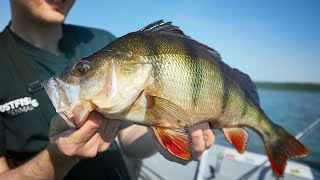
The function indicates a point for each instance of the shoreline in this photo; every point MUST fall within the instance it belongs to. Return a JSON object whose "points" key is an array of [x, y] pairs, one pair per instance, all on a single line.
{"points": [[288, 86]]}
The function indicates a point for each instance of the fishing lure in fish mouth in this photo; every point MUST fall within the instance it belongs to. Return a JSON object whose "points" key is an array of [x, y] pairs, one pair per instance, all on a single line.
{"points": [[163, 79]]}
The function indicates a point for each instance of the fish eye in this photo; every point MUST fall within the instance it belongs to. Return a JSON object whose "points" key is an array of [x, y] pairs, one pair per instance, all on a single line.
{"points": [[81, 68]]}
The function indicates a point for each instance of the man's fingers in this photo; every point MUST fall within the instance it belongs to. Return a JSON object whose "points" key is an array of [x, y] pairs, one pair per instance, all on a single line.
{"points": [[88, 129], [202, 139], [101, 140], [90, 148], [109, 130], [103, 146], [198, 144], [208, 137]]}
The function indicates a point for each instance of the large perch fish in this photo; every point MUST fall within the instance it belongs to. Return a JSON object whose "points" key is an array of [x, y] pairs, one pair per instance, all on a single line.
{"points": [[159, 77]]}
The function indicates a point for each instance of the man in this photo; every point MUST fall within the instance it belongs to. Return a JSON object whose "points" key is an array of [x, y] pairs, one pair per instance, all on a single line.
{"points": [[37, 44]]}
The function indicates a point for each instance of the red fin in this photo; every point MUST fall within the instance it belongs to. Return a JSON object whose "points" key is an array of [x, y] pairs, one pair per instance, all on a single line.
{"points": [[177, 142], [238, 137], [284, 147]]}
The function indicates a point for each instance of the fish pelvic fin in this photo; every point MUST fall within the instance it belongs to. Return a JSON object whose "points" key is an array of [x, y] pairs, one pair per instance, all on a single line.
{"points": [[238, 137], [281, 148], [177, 142]]}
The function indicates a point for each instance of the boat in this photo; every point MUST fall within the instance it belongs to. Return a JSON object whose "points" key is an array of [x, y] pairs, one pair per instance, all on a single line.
{"points": [[222, 162]]}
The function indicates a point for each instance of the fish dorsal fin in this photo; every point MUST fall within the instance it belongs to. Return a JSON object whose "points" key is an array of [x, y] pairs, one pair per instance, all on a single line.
{"points": [[169, 29], [245, 82], [163, 27]]}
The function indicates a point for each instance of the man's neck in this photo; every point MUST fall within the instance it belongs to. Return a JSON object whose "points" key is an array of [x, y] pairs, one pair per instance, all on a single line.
{"points": [[43, 37]]}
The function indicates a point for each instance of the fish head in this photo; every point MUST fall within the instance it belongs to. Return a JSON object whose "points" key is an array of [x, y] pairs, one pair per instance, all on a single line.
{"points": [[129, 75], [72, 90], [108, 81]]}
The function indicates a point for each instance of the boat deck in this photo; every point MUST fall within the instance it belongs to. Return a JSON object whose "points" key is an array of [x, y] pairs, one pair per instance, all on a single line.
{"points": [[225, 163]]}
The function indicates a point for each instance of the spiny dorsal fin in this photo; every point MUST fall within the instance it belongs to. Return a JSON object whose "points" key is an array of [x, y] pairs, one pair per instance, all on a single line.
{"points": [[167, 28], [163, 27]]}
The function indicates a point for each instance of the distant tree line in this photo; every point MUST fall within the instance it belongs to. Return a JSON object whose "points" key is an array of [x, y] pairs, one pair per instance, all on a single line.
{"points": [[288, 86]]}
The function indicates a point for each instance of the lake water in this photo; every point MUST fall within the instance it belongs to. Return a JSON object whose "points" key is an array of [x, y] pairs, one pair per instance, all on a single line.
{"points": [[293, 110]]}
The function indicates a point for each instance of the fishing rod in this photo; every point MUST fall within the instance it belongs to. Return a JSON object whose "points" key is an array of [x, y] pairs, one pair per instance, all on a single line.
{"points": [[307, 129], [300, 135]]}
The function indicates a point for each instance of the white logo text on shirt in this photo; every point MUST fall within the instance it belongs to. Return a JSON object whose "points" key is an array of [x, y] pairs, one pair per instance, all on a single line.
{"points": [[18, 106]]}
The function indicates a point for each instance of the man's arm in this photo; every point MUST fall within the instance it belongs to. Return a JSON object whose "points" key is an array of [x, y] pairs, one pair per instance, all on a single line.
{"points": [[48, 164], [3, 165], [66, 145], [3, 162], [136, 141]]}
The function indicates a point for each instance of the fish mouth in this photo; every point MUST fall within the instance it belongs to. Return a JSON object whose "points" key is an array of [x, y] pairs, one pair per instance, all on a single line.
{"points": [[66, 100], [57, 94]]}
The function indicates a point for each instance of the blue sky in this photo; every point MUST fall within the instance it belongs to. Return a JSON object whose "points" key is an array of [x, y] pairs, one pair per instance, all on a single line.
{"points": [[274, 40]]}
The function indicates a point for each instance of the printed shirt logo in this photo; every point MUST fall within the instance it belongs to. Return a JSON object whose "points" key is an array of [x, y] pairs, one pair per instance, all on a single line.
{"points": [[18, 106]]}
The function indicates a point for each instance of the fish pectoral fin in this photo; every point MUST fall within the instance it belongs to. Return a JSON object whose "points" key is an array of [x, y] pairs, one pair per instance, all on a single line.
{"points": [[176, 141], [159, 108], [238, 137]]}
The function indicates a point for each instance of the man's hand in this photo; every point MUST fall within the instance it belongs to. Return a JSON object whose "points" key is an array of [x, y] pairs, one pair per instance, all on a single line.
{"points": [[94, 136], [54, 162], [202, 139]]}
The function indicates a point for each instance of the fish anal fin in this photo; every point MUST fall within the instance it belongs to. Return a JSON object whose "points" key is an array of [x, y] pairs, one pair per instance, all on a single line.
{"points": [[238, 137], [165, 110], [177, 142], [281, 149]]}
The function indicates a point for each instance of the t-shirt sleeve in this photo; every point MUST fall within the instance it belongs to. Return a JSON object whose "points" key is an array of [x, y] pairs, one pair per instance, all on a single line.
{"points": [[2, 137], [110, 36], [100, 39], [104, 37]]}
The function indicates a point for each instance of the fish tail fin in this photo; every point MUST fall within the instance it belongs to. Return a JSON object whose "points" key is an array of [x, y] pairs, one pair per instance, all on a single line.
{"points": [[281, 147]]}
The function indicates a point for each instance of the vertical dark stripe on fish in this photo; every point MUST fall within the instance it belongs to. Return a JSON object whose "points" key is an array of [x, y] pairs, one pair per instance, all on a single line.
{"points": [[225, 87], [197, 82], [153, 51], [245, 102], [195, 72], [245, 108]]}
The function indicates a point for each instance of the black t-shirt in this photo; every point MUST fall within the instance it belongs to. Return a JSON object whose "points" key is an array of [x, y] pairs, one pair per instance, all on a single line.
{"points": [[24, 125]]}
